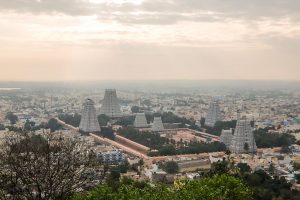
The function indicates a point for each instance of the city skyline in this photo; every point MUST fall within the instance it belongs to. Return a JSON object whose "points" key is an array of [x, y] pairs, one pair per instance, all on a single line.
{"points": [[67, 40]]}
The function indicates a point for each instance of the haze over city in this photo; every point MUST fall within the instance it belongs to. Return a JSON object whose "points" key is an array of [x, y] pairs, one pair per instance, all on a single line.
{"points": [[63, 40], [149, 99]]}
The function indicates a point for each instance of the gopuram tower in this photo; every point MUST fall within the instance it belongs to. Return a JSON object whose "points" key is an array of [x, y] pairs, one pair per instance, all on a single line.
{"points": [[157, 124], [110, 106], [140, 121], [226, 137], [89, 122], [243, 139], [213, 114]]}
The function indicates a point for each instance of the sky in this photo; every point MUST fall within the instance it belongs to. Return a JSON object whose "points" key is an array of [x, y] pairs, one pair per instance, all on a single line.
{"points": [[67, 40]]}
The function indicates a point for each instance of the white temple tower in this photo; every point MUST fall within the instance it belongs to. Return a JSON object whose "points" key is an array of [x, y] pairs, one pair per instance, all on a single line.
{"points": [[226, 137], [157, 124], [213, 114], [243, 139], [140, 121], [110, 106], [89, 122]]}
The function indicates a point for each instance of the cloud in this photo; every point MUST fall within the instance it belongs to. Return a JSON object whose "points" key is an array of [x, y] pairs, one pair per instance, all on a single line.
{"points": [[68, 7], [161, 11]]}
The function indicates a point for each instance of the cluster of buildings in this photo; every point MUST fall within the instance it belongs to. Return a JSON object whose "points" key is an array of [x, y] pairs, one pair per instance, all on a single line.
{"points": [[241, 140], [280, 111]]}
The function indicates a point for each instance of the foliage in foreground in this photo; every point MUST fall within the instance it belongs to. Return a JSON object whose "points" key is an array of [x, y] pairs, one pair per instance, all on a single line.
{"points": [[263, 185], [218, 187], [37, 167]]}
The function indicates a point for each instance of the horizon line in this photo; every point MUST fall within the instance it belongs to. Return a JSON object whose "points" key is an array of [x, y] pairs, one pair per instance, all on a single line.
{"points": [[150, 80]]}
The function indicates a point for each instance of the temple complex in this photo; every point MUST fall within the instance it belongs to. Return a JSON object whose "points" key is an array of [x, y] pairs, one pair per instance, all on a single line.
{"points": [[140, 121], [110, 106], [89, 122], [157, 124], [226, 137], [213, 114], [243, 139]]}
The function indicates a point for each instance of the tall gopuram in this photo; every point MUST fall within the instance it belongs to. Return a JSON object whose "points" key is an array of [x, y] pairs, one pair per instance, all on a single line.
{"points": [[89, 122], [157, 124], [243, 139], [140, 121], [226, 137], [110, 106], [213, 114]]}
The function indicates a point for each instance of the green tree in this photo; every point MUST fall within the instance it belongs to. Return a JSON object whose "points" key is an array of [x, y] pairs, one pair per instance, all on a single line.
{"points": [[264, 139], [271, 169], [169, 117], [123, 167], [219, 126], [243, 167], [108, 132], [285, 149], [135, 109], [2, 127], [246, 147], [167, 150], [219, 187], [126, 121], [103, 119], [141, 162], [73, 120], [220, 167], [115, 174], [171, 167], [43, 167], [11, 117], [296, 166], [53, 125], [297, 177], [27, 125], [202, 121], [146, 102]]}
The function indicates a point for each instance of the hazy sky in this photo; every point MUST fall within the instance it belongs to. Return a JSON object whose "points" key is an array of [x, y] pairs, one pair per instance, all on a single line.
{"points": [[149, 39]]}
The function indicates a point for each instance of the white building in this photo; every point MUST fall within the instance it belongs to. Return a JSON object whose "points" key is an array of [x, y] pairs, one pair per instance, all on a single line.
{"points": [[112, 157], [213, 114]]}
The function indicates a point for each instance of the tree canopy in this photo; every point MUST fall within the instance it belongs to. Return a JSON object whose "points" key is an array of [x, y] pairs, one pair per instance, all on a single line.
{"points": [[219, 126], [2, 127], [135, 109], [268, 140], [53, 125], [218, 187], [103, 119], [11, 117], [73, 120], [37, 167], [171, 167]]}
